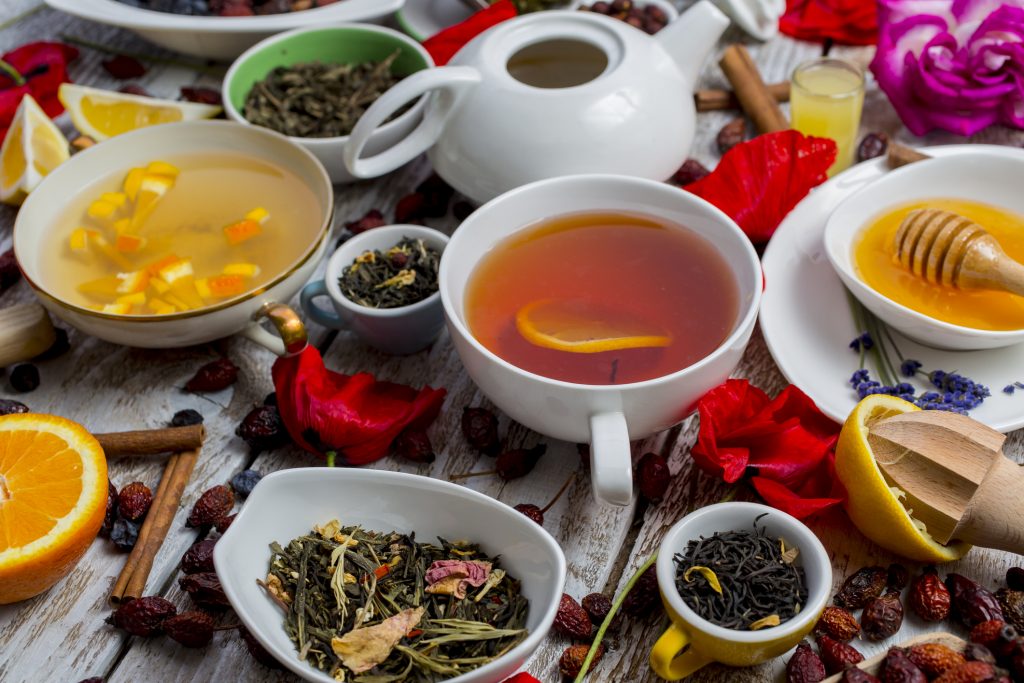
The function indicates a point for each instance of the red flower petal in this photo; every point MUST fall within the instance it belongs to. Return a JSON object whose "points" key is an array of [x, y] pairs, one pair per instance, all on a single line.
{"points": [[781, 498], [44, 67], [759, 181], [353, 415], [723, 410], [443, 45], [848, 22], [521, 678]]}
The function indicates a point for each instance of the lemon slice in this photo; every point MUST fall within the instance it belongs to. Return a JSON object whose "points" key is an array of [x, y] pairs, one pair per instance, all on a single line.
{"points": [[582, 327], [34, 146], [101, 114], [874, 506]]}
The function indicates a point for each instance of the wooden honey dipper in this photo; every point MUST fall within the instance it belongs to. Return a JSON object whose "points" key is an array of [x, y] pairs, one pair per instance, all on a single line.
{"points": [[945, 248]]}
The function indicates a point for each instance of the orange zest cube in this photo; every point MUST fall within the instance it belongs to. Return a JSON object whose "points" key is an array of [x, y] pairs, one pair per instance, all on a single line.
{"points": [[132, 299], [101, 210], [241, 231], [226, 285], [118, 199], [259, 214], [160, 307], [129, 243], [132, 183], [176, 270], [79, 240], [100, 244], [130, 283], [154, 268], [118, 309], [243, 269], [163, 168], [104, 287]]}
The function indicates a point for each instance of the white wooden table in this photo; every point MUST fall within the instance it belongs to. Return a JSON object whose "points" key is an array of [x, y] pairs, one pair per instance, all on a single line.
{"points": [[61, 636]]}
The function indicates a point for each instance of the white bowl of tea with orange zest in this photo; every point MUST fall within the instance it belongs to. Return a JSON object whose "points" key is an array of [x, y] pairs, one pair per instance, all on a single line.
{"points": [[861, 243], [186, 223]]}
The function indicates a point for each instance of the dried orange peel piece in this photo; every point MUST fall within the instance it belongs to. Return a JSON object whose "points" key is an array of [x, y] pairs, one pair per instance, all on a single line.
{"points": [[565, 326]]}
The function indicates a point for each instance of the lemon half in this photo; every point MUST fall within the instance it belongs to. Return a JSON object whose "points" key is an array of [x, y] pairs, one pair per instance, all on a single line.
{"points": [[102, 114], [34, 146], [873, 505]]}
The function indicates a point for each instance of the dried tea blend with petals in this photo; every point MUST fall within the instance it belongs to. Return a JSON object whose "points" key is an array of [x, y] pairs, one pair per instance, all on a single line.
{"points": [[377, 606]]}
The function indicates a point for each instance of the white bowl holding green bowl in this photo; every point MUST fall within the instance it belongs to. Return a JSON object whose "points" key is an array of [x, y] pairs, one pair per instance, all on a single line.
{"points": [[333, 44]]}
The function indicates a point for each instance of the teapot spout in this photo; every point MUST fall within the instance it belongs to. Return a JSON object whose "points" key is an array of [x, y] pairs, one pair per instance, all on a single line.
{"points": [[692, 36]]}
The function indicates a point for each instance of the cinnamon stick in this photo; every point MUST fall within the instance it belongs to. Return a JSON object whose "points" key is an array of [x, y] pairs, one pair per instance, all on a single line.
{"points": [[150, 441], [753, 95], [901, 155], [721, 100]]}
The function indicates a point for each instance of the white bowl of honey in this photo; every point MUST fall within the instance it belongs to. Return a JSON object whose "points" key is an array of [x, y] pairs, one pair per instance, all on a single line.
{"points": [[981, 186], [176, 234]]}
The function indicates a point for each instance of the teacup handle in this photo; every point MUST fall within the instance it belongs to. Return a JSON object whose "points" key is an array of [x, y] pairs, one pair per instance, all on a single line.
{"points": [[611, 465], [666, 659], [321, 315], [452, 83], [292, 333]]}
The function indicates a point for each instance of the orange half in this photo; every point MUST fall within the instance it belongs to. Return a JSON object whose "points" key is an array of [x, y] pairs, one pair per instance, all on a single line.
{"points": [[582, 327], [53, 496]]}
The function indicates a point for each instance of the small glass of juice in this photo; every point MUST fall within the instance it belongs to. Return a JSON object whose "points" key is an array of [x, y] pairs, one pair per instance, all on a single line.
{"points": [[826, 99]]}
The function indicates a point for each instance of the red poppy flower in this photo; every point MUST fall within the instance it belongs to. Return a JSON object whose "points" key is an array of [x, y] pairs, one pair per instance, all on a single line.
{"points": [[784, 443], [40, 68], [443, 45], [759, 181], [847, 22], [354, 417], [521, 678]]}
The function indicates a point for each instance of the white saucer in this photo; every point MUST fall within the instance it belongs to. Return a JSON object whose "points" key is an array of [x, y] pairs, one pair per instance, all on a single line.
{"points": [[423, 18], [807, 323]]}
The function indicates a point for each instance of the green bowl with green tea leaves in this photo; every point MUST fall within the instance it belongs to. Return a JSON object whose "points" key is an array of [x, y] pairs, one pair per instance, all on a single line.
{"points": [[312, 84]]}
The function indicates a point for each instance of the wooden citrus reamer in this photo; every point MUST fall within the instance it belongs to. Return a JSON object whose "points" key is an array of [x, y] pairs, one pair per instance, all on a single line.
{"points": [[956, 477]]}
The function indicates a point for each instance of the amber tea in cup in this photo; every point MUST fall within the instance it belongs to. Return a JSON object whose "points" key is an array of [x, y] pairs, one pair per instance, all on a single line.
{"points": [[602, 298]]}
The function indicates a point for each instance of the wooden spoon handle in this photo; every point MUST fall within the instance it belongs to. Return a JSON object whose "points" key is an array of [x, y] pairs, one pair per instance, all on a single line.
{"points": [[986, 265], [994, 518]]}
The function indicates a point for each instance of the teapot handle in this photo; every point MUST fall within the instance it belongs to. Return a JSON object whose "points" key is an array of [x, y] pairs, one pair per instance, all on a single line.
{"points": [[452, 83]]}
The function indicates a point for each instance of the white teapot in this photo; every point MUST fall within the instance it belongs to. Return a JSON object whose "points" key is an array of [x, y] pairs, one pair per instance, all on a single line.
{"points": [[551, 94]]}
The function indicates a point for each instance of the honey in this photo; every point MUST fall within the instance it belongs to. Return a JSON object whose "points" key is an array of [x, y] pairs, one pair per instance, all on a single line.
{"points": [[877, 266]]}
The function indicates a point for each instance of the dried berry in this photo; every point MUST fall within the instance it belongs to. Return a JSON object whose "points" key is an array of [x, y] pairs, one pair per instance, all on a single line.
{"points": [[205, 590], [934, 658], [882, 617], [572, 620], [597, 606], [531, 511], [211, 506], [414, 445], [838, 623], [9, 271], [245, 481], [462, 210], [201, 95], [897, 577], [1014, 659], [124, 534], [644, 597], [855, 675], [133, 89], [437, 193], [214, 376], [976, 652], [805, 666], [372, 219], [1005, 643], [480, 427], [897, 668], [968, 672], [191, 629], [836, 655], [134, 500], [263, 429], [731, 134], [571, 662], [198, 558], [1012, 604], [862, 587], [690, 172], [143, 616], [987, 632], [971, 603], [929, 597], [10, 407], [24, 378], [256, 649], [652, 477], [187, 417], [58, 348], [519, 462], [1015, 578], [110, 516], [872, 145], [123, 67], [222, 524], [410, 207]]}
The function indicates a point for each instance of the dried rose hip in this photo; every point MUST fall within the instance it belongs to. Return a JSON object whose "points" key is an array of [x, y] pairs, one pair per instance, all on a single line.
{"points": [[1015, 578], [480, 427], [410, 207], [652, 477], [10, 407], [855, 675], [256, 649], [9, 271], [531, 511], [838, 623], [519, 462], [124, 534], [872, 145], [110, 516], [263, 429], [202, 95], [222, 524], [186, 418], [929, 597], [934, 659], [205, 590], [836, 655], [897, 577], [968, 672], [690, 172], [805, 666], [1012, 604], [571, 662], [211, 506], [123, 67], [644, 597], [133, 89], [572, 620], [214, 376], [134, 500], [462, 210], [191, 629], [143, 616], [58, 348], [976, 652], [414, 445], [862, 587], [987, 631], [437, 193], [24, 378], [882, 617], [731, 134], [372, 219], [198, 558], [897, 668], [597, 606], [971, 603]]}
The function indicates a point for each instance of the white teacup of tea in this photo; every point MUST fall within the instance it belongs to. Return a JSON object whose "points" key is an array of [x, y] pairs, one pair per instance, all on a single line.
{"points": [[599, 308]]}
